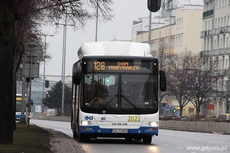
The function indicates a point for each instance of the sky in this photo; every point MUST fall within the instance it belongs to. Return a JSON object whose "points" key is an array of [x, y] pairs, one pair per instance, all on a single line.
{"points": [[119, 28]]}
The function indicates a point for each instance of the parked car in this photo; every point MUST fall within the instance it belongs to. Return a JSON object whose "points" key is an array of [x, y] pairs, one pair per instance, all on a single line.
{"points": [[196, 117], [223, 117], [210, 118], [51, 112], [185, 118]]}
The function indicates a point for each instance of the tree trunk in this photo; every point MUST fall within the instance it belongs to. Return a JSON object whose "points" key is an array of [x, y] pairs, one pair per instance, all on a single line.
{"points": [[198, 110], [7, 80], [181, 110]]}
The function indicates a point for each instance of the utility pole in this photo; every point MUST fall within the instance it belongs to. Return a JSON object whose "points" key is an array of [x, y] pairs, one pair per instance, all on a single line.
{"points": [[150, 27], [63, 61], [44, 69], [33, 52], [96, 21]]}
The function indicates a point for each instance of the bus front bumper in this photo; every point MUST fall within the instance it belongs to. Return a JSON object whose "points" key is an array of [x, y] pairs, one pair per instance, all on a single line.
{"points": [[144, 130]]}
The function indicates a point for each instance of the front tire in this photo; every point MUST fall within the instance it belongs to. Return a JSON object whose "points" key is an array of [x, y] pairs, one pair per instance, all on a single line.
{"points": [[75, 135], [83, 137], [147, 139]]}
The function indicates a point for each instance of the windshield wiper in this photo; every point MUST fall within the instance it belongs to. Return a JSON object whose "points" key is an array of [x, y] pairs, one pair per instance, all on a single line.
{"points": [[108, 102], [126, 99], [130, 103]]}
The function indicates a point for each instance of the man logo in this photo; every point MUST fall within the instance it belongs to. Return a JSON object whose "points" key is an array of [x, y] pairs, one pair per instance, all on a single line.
{"points": [[121, 124]]}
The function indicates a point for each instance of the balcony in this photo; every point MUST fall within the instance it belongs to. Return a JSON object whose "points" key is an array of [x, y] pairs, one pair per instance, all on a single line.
{"points": [[203, 34], [210, 32], [219, 72], [215, 52], [225, 29], [217, 31], [206, 33], [206, 1]]}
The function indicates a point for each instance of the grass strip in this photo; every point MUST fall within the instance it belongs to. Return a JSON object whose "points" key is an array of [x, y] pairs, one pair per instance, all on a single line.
{"points": [[28, 140]]}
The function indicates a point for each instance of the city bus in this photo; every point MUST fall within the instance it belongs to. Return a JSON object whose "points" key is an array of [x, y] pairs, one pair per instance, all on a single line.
{"points": [[116, 85]]}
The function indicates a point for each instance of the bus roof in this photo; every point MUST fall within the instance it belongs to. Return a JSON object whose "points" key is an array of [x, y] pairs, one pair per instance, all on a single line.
{"points": [[119, 48]]}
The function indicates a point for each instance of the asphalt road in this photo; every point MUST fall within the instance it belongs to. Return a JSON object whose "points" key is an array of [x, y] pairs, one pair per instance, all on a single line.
{"points": [[168, 141]]}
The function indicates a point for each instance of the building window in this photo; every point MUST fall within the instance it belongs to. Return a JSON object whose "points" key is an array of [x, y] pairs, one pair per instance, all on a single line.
{"points": [[191, 110], [226, 64], [227, 43], [177, 23], [228, 61]]}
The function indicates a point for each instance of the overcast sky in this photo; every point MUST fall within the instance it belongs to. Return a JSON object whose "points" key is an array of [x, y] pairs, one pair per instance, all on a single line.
{"points": [[119, 28]]}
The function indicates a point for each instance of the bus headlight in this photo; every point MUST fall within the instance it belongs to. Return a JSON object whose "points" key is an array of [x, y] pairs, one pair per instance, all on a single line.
{"points": [[153, 124], [85, 122]]}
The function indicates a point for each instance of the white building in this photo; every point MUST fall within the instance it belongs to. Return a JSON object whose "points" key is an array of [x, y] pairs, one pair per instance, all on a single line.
{"points": [[142, 25], [178, 31], [216, 48]]}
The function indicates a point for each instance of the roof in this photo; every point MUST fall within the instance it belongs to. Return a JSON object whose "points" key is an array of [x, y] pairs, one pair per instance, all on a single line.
{"points": [[114, 48]]}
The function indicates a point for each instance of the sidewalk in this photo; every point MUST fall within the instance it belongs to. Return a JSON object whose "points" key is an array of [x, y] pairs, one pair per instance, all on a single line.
{"points": [[62, 143]]}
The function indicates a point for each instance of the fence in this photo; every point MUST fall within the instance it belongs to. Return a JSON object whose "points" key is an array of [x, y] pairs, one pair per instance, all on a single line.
{"points": [[220, 127]]}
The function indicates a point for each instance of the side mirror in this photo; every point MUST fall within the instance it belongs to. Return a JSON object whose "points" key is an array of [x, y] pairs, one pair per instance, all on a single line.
{"points": [[154, 5], [162, 81], [76, 73]]}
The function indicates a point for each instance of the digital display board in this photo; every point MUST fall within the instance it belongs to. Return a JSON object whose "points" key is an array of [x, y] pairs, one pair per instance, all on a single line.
{"points": [[102, 65], [137, 66]]}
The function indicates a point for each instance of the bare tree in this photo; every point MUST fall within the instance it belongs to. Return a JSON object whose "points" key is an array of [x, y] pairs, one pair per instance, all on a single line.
{"points": [[178, 81], [190, 81], [201, 83], [163, 55], [26, 16], [33, 14]]}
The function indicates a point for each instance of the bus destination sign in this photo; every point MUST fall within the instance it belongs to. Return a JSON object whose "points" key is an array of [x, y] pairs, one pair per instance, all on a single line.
{"points": [[115, 66]]}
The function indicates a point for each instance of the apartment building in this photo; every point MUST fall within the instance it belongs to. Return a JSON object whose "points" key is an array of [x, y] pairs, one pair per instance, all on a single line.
{"points": [[215, 50], [176, 32]]}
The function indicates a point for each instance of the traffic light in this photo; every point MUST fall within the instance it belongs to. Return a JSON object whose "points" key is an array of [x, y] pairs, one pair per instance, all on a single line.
{"points": [[47, 83], [154, 5], [31, 102], [47, 94]]}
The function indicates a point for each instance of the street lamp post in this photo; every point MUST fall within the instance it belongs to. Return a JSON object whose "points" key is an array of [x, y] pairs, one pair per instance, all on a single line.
{"points": [[150, 28], [63, 61], [96, 21], [44, 69]]}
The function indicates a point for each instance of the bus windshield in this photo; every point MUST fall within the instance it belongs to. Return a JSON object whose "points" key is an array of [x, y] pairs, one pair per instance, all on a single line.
{"points": [[119, 93]]}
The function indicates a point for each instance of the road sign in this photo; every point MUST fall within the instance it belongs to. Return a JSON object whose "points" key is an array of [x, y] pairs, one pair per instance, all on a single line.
{"points": [[33, 52], [38, 108], [31, 73]]}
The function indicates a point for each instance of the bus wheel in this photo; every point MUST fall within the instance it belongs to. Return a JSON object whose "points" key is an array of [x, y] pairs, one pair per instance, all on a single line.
{"points": [[128, 139], [74, 135], [147, 139], [83, 137]]}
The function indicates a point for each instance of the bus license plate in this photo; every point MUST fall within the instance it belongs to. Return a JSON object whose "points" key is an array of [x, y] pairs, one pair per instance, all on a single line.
{"points": [[119, 131]]}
